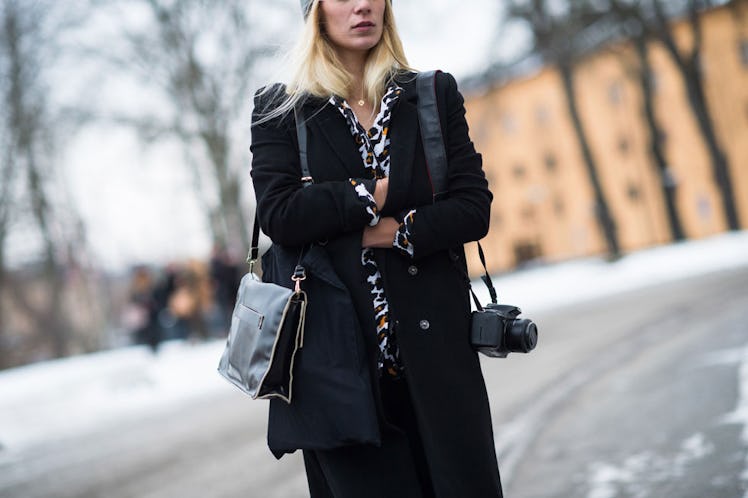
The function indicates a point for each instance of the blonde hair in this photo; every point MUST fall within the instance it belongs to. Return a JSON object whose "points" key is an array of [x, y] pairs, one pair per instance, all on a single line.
{"points": [[317, 70]]}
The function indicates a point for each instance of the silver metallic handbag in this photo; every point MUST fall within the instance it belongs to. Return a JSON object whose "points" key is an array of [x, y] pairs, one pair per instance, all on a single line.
{"points": [[267, 329]]}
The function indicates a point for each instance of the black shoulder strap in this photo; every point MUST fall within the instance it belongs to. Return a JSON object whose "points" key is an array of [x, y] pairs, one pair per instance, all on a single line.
{"points": [[436, 156], [306, 174], [431, 132], [306, 180]]}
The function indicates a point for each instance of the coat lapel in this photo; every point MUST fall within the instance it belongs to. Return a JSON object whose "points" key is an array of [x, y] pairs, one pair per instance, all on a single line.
{"points": [[404, 133], [326, 121]]}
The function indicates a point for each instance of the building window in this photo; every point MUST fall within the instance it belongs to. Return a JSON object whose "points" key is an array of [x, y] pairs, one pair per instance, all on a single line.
{"points": [[482, 133], [525, 252], [633, 192], [615, 93], [542, 115], [656, 82], [519, 171], [702, 66], [744, 52], [623, 146], [496, 219], [661, 136], [508, 123], [550, 162], [558, 206], [704, 207], [527, 213]]}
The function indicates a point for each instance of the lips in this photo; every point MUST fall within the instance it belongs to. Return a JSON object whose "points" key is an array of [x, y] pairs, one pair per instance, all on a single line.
{"points": [[364, 24]]}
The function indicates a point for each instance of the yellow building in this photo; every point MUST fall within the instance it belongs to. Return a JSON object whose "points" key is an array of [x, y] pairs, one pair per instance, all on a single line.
{"points": [[543, 199]]}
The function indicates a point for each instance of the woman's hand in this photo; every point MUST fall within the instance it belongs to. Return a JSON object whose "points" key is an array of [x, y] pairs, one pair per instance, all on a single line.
{"points": [[382, 234], [380, 192]]}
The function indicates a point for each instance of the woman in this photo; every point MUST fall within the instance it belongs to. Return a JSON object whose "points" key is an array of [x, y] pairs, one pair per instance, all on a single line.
{"points": [[389, 399]]}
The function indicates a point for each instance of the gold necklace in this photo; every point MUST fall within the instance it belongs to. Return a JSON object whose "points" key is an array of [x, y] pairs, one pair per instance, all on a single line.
{"points": [[362, 101]]}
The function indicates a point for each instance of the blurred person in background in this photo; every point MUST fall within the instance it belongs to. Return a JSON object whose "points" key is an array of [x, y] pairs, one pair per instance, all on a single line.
{"points": [[225, 276], [162, 293], [388, 397], [144, 309], [189, 301]]}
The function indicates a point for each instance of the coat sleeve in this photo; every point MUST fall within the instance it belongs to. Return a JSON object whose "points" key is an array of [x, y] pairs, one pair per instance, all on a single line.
{"points": [[289, 213], [464, 215]]}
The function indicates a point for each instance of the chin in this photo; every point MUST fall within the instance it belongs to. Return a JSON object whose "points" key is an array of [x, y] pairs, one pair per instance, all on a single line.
{"points": [[358, 44], [364, 45]]}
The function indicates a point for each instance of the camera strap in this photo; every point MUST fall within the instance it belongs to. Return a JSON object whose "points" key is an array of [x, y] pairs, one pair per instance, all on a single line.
{"points": [[486, 277], [478, 305], [436, 162]]}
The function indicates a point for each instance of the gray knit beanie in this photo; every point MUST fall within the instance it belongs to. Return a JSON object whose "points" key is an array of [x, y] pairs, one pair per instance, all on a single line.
{"points": [[305, 6]]}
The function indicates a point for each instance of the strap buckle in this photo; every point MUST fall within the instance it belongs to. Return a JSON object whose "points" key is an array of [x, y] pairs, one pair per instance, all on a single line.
{"points": [[299, 274], [250, 260]]}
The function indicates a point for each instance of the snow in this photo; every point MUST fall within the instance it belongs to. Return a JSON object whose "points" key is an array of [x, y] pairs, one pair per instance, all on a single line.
{"points": [[558, 285], [740, 414], [65, 397], [635, 476], [62, 398]]}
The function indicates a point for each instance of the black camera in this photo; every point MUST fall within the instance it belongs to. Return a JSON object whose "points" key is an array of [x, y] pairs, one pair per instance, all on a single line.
{"points": [[496, 331]]}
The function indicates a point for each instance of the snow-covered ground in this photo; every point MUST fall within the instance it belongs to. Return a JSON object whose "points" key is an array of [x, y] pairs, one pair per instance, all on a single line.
{"points": [[64, 397], [557, 285]]}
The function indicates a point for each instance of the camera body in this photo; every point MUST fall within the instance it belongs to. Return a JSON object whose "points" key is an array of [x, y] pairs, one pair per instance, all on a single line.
{"points": [[496, 331]]}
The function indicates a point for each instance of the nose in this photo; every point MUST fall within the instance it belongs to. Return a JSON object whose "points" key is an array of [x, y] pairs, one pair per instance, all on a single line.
{"points": [[362, 6]]}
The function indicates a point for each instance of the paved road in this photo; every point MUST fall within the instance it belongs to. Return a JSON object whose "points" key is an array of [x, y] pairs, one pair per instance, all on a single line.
{"points": [[635, 397], [628, 396]]}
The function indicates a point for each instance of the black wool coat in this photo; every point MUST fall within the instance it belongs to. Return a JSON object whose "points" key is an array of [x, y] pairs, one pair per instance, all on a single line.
{"points": [[336, 398]]}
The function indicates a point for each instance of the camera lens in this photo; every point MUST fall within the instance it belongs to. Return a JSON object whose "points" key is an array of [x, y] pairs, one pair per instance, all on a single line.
{"points": [[521, 336]]}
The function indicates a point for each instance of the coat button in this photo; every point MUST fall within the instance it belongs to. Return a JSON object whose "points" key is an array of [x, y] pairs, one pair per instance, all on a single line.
{"points": [[424, 324], [413, 270]]}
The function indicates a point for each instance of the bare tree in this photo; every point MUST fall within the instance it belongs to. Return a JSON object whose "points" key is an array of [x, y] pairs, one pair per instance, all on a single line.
{"points": [[667, 179], [630, 26], [201, 56], [656, 17], [31, 206], [562, 32]]}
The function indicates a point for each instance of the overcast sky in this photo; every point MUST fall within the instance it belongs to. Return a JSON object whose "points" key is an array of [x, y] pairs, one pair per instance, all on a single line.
{"points": [[137, 203]]}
